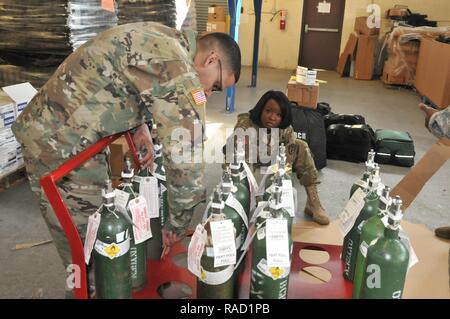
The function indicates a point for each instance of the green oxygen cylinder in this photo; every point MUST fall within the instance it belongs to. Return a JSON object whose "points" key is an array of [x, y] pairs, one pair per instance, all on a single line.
{"points": [[138, 252], [352, 239], [235, 211], [270, 280], [371, 230], [362, 183], [216, 282], [241, 188], [387, 260], [281, 169], [111, 253], [154, 245]]}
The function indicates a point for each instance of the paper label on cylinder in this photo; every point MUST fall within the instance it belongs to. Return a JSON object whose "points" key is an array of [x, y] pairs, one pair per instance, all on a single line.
{"points": [[195, 250], [223, 242], [148, 189], [351, 211], [121, 199], [91, 234], [141, 219], [413, 259], [287, 197], [277, 243]]}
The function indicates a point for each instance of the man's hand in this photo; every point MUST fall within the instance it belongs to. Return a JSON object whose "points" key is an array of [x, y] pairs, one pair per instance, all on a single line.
{"points": [[429, 111], [143, 139], [169, 239]]}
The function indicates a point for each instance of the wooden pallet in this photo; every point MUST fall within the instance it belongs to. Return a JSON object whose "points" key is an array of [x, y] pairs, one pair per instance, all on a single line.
{"points": [[13, 178]]}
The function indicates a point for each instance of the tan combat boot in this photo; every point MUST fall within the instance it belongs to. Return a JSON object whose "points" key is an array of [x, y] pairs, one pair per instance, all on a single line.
{"points": [[313, 206]]}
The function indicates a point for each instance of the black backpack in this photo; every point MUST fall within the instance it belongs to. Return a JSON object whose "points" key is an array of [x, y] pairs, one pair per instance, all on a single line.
{"points": [[308, 126], [347, 119], [349, 142]]}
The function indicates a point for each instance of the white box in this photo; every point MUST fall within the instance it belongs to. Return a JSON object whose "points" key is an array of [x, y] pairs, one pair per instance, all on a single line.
{"points": [[6, 136], [21, 94], [8, 158], [7, 111]]}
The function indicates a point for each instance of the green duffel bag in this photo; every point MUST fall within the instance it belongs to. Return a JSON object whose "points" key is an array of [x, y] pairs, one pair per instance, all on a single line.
{"points": [[394, 147]]}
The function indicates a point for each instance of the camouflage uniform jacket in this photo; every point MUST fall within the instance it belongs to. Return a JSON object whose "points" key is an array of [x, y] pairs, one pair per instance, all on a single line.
{"points": [[125, 76], [298, 152]]}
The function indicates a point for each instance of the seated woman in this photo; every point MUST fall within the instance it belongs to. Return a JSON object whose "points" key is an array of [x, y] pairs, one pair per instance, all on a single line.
{"points": [[274, 111]]}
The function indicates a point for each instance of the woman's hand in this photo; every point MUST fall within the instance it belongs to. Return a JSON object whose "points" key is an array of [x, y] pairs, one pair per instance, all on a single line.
{"points": [[429, 111]]}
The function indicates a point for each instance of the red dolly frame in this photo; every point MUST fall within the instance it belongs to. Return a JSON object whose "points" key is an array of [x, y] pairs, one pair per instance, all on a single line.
{"points": [[336, 288], [48, 183]]}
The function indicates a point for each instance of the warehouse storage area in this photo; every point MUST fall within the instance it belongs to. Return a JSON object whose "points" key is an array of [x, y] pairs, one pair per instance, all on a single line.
{"points": [[352, 199]]}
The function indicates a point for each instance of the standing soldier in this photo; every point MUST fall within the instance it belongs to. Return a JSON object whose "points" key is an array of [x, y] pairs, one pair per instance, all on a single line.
{"points": [[122, 79]]}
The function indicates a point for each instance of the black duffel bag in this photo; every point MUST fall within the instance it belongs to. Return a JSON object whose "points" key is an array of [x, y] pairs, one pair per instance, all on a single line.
{"points": [[347, 119], [308, 126], [349, 143]]}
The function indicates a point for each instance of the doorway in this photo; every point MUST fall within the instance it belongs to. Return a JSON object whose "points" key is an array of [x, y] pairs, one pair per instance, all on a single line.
{"points": [[321, 33]]}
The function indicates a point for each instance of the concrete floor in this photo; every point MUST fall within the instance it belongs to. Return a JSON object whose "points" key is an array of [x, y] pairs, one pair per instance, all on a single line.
{"points": [[37, 272]]}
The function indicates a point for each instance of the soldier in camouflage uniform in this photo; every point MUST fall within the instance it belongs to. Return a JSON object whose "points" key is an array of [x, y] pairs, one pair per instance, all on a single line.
{"points": [[122, 79], [273, 111]]}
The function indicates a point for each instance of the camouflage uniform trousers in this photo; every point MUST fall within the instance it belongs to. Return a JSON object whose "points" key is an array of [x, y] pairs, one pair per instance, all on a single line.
{"points": [[80, 191]]}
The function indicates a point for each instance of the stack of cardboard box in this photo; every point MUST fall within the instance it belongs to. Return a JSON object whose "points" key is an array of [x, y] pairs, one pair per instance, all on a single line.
{"points": [[361, 47], [302, 94], [217, 21], [13, 99], [433, 72], [404, 45]]}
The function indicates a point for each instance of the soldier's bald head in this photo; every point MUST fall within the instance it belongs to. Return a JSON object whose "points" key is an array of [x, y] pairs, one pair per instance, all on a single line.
{"points": [[228, 49]]}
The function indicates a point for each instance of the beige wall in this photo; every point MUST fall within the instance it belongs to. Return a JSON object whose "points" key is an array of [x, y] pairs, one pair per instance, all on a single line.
{"points": [[279, 49]]}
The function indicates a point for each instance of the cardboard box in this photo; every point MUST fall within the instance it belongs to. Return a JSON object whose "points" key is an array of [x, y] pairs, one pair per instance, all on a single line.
{"points": [[399, 12], [303, 95], [343, 67], [7, 111], [361, 27], [390, 75], [365, 57], [433, 72], [118, 150], [216, 27], [8, 158], [21, 94], [6, 136], [216, 14]]}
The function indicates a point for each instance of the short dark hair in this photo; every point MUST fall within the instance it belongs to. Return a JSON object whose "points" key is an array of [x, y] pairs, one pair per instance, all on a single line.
{"points": [[283, 102], [228, 47]]}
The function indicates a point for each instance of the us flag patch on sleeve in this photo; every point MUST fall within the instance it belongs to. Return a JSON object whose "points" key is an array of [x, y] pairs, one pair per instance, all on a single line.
{"points": [[199, 96]]}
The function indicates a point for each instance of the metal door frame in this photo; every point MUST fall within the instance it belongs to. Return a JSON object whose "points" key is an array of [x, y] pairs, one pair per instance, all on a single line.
{"points": [[300, 51]]}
